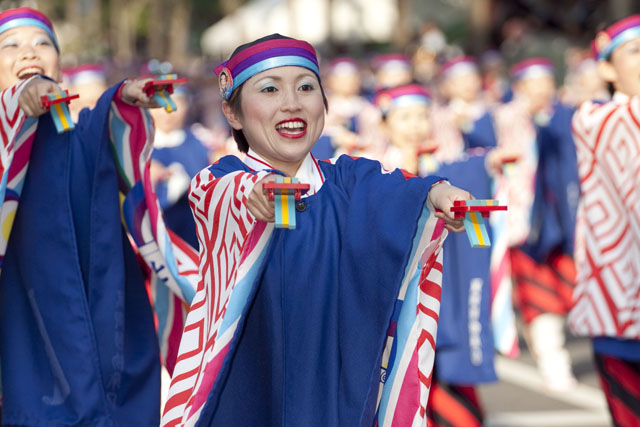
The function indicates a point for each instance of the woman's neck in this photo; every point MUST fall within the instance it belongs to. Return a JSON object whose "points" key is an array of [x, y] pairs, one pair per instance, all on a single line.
{"points": [[288, 168]]}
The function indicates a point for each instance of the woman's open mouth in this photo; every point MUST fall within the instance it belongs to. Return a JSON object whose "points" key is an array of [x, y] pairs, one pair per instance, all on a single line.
{"points": [[30, 71], [292, 128]]}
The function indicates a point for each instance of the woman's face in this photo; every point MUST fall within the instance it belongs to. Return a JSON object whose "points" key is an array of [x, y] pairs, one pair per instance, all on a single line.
{"points": [[625, 60], [466, 87], [281, 114], [25, 51], [409, 126], [539, 92]]}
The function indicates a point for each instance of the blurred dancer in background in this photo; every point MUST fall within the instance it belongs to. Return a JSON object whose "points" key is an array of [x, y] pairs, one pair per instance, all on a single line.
{"points": [[406, 123], [391, 70], [178, 155], [347, 119], [542, 196], [463, 119], [87, 80]]}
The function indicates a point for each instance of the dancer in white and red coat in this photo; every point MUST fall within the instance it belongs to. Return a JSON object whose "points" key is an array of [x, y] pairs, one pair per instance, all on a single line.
{"points": [[607, 298]]}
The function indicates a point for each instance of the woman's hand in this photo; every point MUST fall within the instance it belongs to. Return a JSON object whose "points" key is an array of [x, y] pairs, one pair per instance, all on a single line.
{"points": [[497, 156], [259, 204], [442, 195], [30, 99], [133, 94]]}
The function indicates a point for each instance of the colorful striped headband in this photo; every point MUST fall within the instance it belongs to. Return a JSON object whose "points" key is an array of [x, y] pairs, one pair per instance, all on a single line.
{"points": [[25, 16], [263, 54], [458, 67], [343, 66], [391, 62], [621, 32], [402, 96], [84, 74], [532, 68]]}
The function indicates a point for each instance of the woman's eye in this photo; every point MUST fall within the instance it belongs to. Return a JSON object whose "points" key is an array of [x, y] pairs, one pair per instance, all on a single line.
{"points": [[305, 87], [8, 44], [268, 89], [43, 42]]}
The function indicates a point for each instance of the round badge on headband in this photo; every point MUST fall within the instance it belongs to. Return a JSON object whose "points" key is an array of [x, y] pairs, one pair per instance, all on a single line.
{"points": [[225, 82], [263, 54]]}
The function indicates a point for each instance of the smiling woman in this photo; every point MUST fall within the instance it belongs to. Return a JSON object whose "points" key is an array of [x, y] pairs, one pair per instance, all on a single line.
{"points": [[297, 327], [77, 334], [27, 50]]}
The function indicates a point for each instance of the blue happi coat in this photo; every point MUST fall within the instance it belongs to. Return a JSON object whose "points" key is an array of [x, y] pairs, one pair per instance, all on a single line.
{"points": [[309, 347], [555, 206], [77, 337]]}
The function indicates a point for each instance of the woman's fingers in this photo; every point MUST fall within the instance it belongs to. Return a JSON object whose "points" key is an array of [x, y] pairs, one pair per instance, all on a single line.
{"points": [[133, 93], [30, 100], [259, 204], [260, 210]]}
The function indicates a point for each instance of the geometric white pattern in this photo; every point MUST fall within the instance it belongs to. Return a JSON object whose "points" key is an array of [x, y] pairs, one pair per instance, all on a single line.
{"points": [[607, 298]]}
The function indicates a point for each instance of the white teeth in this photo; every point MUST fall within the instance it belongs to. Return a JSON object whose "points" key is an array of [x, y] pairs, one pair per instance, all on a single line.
{"points": [[29, 72], [291, 125]]}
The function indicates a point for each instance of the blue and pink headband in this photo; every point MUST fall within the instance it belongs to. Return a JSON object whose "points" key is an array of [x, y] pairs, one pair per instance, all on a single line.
{"points": [[25, 16], [459, 66], [402, 96], [621, 32], [391, 62], [532, 68], [86, 73], [343, 65], [264, 54]]}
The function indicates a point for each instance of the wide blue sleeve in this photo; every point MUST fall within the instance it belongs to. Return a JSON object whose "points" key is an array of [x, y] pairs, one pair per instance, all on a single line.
{"points": [[87, 139], [357, 173]]}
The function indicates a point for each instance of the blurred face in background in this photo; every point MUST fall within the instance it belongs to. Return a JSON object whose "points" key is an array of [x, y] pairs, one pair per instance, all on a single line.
{"points": [[393, 76], [537, 92], [344, 84], [169, 122], [623, 68], [409, 126], [25, 51], [465, 87], [590, 83]]}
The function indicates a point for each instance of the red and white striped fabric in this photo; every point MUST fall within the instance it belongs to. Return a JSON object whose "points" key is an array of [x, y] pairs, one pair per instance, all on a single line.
{"points": [[607, 297], [405, 384], [239, 242], [14, 157]]}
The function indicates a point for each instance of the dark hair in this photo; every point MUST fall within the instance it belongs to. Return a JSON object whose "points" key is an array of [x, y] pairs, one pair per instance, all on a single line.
{"points": [[235, 103]]}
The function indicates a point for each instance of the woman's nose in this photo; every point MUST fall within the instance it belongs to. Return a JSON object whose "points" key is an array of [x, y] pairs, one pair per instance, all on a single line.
{"points": [[27, 51], [291, 101]]}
